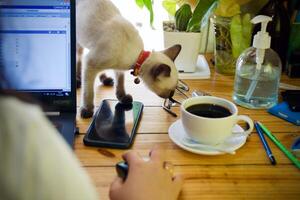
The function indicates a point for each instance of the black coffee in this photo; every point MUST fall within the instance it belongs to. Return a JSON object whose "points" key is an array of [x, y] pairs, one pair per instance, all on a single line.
{"points": [[209, 110]]}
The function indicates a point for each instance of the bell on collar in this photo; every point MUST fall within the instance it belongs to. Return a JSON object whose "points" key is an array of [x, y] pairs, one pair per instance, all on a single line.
{"points": [[137, 81]]}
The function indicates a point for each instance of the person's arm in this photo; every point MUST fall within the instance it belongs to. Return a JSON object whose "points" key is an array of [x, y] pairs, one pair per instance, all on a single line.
{"points": [[36, 161], [146, 180]]}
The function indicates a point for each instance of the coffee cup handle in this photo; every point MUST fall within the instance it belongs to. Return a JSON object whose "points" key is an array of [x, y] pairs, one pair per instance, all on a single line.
{"points": [[248, 120]]}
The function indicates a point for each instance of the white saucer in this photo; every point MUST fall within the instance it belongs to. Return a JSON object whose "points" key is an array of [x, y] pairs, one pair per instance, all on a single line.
{"points": [[177, 134]]}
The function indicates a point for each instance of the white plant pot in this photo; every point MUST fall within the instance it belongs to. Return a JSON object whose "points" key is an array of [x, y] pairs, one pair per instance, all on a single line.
{"points": [[190, 44]]}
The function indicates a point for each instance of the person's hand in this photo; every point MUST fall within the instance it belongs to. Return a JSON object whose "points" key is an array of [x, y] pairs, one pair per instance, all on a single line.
{"points": [[147, 180]]}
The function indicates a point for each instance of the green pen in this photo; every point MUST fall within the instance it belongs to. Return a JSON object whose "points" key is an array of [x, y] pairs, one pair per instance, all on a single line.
{"points": [[280, 146]]}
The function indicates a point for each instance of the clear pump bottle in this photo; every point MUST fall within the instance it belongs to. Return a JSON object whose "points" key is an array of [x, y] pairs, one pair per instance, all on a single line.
{"points": [[258, 71]]}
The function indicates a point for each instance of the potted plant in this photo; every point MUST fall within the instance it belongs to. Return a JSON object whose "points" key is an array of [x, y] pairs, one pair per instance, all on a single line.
{"points": [[185, 30], [190, 17], [233, 31]]}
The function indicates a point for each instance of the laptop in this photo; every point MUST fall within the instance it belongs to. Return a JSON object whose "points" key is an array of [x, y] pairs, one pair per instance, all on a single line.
{"points": [[39, 56]]}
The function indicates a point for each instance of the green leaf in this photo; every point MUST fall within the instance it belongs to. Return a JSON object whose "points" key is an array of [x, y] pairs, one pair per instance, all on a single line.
{"points": [[139, 3], [208, 14], [199, 12], [228, 8], [148, 4], [170, 6], [240, 33], [247, 30], [182, 17], [236, 35]]}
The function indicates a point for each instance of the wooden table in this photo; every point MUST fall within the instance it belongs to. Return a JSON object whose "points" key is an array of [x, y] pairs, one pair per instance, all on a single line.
{"points": [[246, 175]]}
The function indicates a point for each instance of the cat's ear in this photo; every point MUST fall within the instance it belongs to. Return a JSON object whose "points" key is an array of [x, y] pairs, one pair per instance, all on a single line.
{"points": [[173, 51], [160, 69]]}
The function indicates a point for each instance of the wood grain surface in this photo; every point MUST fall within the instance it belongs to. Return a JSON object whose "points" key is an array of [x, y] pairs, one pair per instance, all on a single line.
{"points": [[246, 175]]}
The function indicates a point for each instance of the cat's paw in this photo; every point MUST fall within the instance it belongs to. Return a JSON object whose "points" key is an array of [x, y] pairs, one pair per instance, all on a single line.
{"points": [[107, 81], [86, 113], [126, 99]]}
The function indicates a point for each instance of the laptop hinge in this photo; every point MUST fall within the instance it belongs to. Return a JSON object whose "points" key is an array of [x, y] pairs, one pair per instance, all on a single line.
{"points": [[50, 114]]}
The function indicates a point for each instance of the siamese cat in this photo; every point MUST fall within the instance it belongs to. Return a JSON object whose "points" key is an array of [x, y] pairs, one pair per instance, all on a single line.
{"points": [[114, 43]]}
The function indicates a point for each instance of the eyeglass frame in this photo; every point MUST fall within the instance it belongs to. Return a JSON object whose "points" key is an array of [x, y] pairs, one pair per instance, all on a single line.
{"points": [[182, 88]]}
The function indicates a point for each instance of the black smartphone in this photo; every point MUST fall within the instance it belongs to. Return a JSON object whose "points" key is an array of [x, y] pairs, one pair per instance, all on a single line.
{"points": [[114, 124]]}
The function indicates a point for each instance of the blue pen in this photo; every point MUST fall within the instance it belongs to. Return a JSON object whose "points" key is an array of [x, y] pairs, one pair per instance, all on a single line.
{"points": [[266, 146]]}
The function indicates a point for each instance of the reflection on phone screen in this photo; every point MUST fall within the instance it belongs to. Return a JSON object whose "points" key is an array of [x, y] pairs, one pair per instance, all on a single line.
{"points": [[114, 122]]}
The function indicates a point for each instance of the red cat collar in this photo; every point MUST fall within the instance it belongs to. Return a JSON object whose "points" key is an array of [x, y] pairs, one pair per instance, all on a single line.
{"points": [[137, 66]]}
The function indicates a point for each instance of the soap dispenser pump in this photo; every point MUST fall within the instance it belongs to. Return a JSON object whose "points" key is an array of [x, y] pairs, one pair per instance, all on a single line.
{"points": [[258, 71]]}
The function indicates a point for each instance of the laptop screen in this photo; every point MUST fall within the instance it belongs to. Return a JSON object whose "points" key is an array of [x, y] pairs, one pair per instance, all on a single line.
{"points": [[35, 45]]}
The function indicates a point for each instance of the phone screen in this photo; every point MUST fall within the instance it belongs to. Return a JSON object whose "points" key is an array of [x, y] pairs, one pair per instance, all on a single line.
{"points": [[114, 124]]}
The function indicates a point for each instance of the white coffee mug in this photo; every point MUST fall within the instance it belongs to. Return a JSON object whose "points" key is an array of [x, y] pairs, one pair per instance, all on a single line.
{"points": [[211, 130]]}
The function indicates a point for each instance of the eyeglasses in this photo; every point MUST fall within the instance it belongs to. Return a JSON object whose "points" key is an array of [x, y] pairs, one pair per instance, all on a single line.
{"points": [[181, 93]]}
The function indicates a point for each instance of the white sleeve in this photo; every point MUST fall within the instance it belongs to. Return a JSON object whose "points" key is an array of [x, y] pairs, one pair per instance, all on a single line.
{"points": [[36, 163]]}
